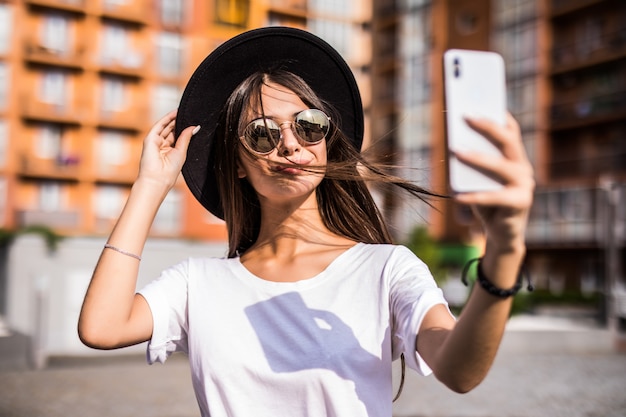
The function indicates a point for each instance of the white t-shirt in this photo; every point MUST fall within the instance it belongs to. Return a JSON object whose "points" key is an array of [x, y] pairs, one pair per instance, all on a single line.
{"points": [[317, 347]]}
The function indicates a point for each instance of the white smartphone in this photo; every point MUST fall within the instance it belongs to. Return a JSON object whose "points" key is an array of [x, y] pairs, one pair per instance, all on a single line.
{"points": [[475, 86]]}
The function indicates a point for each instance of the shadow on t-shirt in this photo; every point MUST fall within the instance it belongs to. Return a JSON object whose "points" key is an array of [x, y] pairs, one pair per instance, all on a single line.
{"points": [[295, 337]]}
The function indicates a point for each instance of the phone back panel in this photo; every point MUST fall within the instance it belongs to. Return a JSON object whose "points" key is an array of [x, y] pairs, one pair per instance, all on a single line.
{"points": [[474, 86]]}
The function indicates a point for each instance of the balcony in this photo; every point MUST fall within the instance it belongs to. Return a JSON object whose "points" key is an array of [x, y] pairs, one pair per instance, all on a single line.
{"points": [[589, 109], [58, 219], [292, 7], [37, 53], [63, 167], [566, 217], [130, 12], [74, 6], [386, 9], [131, 64], [117, 174], [133, 119], [63, 113], [563, 7], [577, 216], [589, 52]]}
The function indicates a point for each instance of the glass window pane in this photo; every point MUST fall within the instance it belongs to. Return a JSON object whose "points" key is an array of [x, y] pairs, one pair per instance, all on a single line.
{"points": [[6, 20]]}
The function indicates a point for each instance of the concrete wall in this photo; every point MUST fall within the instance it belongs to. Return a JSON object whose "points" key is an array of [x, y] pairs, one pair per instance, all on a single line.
{"points": [[45, 289]]}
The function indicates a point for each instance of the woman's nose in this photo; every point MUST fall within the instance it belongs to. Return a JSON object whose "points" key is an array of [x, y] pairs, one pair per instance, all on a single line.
{"points": [[289, 142]]}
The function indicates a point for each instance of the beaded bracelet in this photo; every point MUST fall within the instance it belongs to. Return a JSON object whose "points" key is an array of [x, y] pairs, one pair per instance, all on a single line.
{"points": [[122, 251], [490, 287]]}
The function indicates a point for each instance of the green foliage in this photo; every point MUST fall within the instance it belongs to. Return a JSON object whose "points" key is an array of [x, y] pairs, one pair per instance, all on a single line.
{"points": [[429, 251], [441, 258], [50, 237]]}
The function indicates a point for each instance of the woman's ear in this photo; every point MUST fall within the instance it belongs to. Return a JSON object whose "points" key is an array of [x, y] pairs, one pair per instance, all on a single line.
{"points": [[241, 173]]}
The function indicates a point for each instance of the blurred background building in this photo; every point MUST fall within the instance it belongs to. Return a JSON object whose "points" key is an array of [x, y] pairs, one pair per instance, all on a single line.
{"points": [[81, 81], [566, 77]]}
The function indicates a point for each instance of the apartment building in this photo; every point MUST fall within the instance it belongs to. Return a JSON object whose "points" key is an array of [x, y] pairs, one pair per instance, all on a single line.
{"points": [[577, 232], [565, 74], [81, 81]]}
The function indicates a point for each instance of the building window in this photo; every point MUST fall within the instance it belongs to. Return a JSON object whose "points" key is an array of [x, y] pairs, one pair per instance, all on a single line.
{"points": [[4, 142], [112, 148], [55, 34], [4, 192], [108, 201], [166, 98], [4, 85], [114, 95], [232, 12], [49, 142], [113, 4], [168, 217], [342, 8], [53, 88], [50, 196], [116, 47], [172, 12], [339, 34], [114, 43], [169, 53], [6, 20]]}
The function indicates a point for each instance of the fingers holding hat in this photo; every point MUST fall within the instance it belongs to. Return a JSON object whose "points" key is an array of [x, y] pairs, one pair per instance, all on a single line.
{"points": [[162, 130], [163, 156]]}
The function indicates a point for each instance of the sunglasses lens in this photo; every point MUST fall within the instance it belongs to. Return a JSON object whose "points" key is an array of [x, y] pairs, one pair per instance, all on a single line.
{"points": [[262, 135], [312, 125]]}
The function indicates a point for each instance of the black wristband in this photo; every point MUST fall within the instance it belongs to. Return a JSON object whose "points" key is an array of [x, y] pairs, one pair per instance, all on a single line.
{"points": [[488, 285]]}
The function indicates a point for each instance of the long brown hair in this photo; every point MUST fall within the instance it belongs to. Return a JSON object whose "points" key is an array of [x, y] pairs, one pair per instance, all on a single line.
{"points": [[344, 201]]}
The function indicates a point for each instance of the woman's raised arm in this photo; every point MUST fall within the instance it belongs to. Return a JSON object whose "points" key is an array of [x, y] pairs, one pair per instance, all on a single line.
{"points": [[461, 353], [113, 315]]}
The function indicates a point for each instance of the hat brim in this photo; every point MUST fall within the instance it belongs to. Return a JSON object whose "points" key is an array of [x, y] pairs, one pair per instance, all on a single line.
{"points": [[208, 89]]}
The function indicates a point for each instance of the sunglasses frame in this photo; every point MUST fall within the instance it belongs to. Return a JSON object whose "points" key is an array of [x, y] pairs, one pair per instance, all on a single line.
{"points": [[292, 126]]}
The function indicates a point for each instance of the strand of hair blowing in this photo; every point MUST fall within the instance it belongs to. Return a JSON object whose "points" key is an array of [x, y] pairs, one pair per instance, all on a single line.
{"points": [[344, 200]]}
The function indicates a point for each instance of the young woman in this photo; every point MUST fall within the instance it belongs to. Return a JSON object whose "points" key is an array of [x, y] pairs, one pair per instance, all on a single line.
{"points": [[313, 302]]}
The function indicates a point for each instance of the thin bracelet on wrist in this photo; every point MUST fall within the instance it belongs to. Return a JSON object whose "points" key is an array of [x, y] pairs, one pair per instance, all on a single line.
{"points": [[122, 251], [490, 287]]}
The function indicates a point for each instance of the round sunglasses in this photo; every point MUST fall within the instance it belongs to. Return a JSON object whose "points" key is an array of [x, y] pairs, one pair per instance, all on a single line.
{"points": [[263, 135]]}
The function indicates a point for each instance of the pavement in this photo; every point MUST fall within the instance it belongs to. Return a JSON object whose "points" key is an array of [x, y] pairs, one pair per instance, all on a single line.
{"points": [[548, 365]]}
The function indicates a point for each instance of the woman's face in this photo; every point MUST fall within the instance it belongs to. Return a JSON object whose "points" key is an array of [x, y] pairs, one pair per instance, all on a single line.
{"points": [[281, 175]]}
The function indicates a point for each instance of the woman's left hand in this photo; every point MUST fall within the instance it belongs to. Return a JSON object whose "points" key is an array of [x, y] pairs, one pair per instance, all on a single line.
{"points": [[504, 212]]}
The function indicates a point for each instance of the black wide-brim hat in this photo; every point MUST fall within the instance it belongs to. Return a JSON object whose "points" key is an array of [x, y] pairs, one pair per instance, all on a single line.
{"points": [[205, 96]]}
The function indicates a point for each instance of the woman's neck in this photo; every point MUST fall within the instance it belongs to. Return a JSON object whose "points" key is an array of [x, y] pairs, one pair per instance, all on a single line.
{"points": [[288, 229]]}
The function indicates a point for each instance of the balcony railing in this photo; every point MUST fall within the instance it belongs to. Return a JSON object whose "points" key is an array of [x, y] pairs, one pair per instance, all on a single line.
{"points": [[76, 6], [37, 52], [589, 51], [131, 64], [589, 107], [586, 166], [133, 119], [64, 166], [574, 216], [61, 112], [560, 7], [59, 219], [132, 12], [300, 5]]}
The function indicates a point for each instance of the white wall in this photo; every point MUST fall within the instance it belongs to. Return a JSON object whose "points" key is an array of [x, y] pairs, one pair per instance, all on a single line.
{"points": [[45, 289]]}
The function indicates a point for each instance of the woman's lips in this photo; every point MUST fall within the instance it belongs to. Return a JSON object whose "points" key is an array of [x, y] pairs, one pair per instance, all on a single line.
{"points": [[290, 169]]}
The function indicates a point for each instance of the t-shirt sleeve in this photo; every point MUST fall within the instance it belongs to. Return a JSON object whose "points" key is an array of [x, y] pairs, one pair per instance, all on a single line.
{"points": [[413, 291], [167, 298]]}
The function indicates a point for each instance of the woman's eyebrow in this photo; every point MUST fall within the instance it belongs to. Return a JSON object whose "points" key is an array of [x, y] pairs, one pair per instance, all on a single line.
{"points": [[256, 115]]}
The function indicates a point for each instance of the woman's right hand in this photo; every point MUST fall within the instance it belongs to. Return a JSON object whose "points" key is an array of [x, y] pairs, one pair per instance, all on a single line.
{"points": [[163, 156]]}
